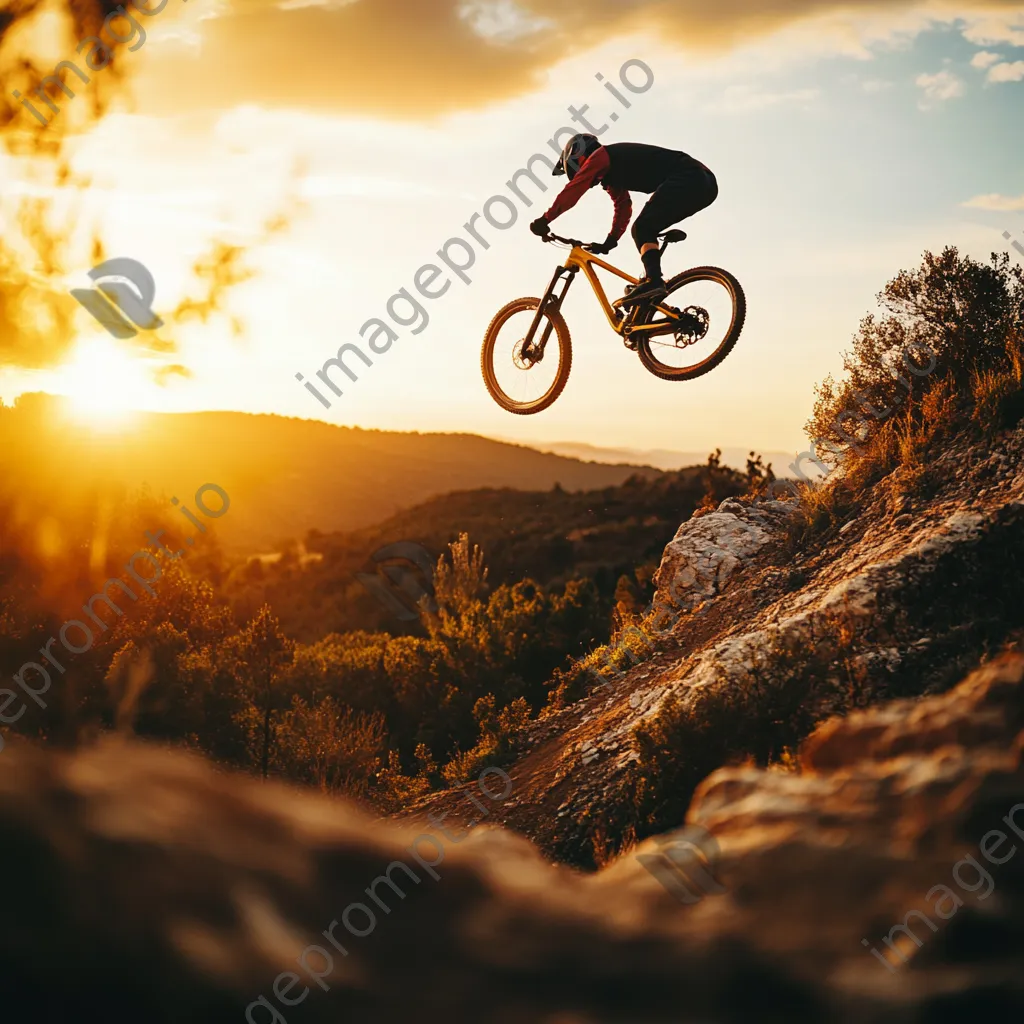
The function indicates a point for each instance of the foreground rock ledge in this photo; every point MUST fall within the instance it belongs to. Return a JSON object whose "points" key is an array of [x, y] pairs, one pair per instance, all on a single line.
{"points": [[146, 886]]}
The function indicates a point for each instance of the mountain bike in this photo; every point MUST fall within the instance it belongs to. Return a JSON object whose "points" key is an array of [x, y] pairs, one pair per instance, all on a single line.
{"points": [[674, 342]]}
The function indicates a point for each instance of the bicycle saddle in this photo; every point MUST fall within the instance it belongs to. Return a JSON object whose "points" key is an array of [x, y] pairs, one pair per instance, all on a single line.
{"points": [[673, 236]]}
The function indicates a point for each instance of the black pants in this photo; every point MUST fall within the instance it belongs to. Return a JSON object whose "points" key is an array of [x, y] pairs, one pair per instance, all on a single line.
{"points": [[692, 189]]}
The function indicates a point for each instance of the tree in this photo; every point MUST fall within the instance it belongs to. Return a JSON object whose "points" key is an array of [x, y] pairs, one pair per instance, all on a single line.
{"points": [[459, 586], [164, 678], [263, 653], [945, 325]]}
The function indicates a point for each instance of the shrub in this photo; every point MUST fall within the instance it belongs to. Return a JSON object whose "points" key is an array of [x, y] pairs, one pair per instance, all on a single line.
{"points": [[395, 790], [946, 361], [500, 734], [953, 324], [330, 746], [633, 643]]}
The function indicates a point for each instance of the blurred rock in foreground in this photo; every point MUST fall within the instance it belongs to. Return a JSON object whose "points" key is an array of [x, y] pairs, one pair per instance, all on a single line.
{"points": [[145, 886]]}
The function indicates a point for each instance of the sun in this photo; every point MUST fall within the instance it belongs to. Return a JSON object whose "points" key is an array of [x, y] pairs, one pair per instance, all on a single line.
{"points": [[104, 384]]}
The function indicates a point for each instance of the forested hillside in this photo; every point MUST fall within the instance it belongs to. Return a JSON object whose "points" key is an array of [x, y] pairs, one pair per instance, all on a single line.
{"points": [[549, 536], [285, 476]]}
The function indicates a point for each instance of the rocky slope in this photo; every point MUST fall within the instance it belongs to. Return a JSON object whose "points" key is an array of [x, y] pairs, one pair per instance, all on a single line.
{"points": [[879, 882], [901, 599]]}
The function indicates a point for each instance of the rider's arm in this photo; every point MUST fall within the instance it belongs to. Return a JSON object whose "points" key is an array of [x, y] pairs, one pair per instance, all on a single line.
{"points": [[588, 175], [623, 211]]}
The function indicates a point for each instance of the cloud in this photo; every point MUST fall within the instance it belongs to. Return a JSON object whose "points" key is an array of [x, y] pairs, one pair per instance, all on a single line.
{"points": [[995, 201], [501, 20], [992, 28], [419, 59], [1007, 72], [984, 60], [939, 88]]}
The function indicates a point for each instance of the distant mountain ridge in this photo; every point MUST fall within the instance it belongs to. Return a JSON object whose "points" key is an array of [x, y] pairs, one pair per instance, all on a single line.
{"points": [[668, 459]]}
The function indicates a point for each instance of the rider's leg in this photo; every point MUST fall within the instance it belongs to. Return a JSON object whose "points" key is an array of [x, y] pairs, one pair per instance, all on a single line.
{"points": [[645, 234], [677, 199], [680, 197], [650, 253]]}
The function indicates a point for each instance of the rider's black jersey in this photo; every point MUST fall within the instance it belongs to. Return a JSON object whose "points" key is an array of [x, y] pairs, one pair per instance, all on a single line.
{"points": [[624, 167], [637, 167]]}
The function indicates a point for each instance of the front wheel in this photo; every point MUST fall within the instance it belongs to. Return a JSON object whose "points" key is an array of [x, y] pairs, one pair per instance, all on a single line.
{"points": [[526, 380], [696, 325]]}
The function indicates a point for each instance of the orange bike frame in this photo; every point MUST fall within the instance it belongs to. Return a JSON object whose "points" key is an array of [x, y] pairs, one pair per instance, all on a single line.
{"points": [[580, 259]]}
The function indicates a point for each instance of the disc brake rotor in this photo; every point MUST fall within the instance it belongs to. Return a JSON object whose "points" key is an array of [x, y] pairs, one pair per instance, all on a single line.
{"points": [[520, 358], [695, 322]]}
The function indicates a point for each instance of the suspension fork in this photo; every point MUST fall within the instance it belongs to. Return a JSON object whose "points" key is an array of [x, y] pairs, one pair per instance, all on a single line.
{"points": [[550, 303]]}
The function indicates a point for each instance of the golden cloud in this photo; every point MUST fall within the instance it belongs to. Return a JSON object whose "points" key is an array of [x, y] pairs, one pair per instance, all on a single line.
{"points": [[417, 58]]}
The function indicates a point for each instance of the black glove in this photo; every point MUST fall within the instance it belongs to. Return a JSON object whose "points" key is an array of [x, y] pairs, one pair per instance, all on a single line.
{"points": [[603, 248], [540, 227]]}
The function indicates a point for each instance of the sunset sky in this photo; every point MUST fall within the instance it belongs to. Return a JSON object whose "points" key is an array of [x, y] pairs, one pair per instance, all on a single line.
{"points": [[845, 145]]}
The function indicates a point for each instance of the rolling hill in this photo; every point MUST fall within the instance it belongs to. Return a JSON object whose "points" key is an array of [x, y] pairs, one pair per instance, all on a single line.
{"points": [[284, 476], [549, 536]]}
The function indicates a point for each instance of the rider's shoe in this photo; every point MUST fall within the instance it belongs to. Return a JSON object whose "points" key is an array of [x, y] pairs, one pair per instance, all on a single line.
{"points": [[645, 291]]}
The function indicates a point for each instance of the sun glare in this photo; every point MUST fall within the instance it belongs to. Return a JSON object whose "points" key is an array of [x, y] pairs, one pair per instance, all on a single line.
{"points": [[103, 382]]}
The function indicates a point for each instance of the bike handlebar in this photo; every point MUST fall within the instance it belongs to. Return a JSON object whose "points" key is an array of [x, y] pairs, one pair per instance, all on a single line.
{"points": [[552, 237]]}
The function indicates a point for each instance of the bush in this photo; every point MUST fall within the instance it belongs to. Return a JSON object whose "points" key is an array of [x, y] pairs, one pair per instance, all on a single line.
{"points": [[953, 325], [634, 642], [331, 747], [500, 734], [946, 361], [395, 790]]}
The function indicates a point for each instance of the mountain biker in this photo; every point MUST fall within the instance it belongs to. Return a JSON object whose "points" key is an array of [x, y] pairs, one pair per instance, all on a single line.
{"points": [[681, 187]]}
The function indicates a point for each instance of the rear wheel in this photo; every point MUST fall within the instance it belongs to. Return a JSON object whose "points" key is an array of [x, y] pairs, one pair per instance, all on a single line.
{"points": [[521, 381], [699, 323]]}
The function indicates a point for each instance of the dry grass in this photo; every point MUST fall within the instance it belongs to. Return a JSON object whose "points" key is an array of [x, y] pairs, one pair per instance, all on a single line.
{"points": [[997, 394], [635, 643]]}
